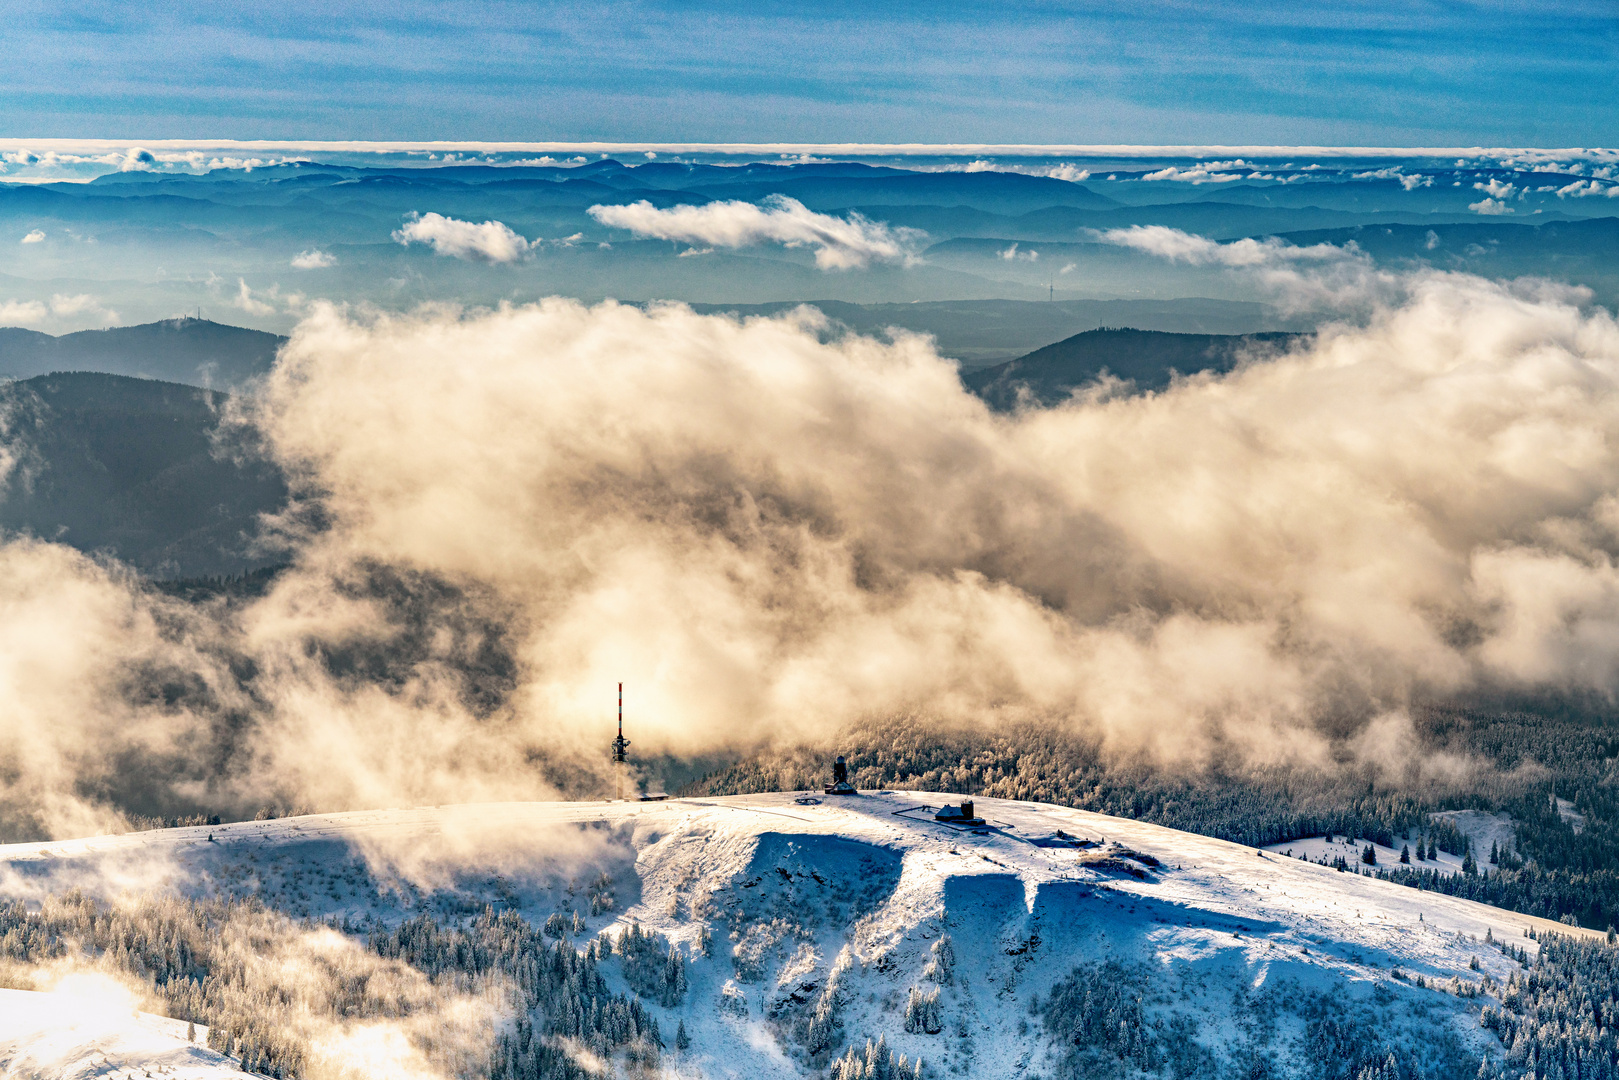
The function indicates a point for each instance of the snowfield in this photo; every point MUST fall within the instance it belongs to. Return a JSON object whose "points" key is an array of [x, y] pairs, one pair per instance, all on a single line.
{"points": [[836, 904], [89, 1027]]}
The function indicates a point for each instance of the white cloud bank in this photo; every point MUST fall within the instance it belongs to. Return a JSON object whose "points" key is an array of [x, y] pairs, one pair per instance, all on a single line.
{"points": [[79, 307], [850, 243], [766, 533], [490, 241]]}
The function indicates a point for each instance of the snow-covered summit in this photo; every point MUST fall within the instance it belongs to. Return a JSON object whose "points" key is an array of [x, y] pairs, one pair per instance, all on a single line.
{"points": [[868, 916]]}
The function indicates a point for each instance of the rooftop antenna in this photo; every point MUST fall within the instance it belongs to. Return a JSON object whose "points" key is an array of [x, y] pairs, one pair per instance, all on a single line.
{"points": [[1051, 290], [621, 745]]}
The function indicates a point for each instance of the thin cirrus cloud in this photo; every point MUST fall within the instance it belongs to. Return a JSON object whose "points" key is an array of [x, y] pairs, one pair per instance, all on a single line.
{"points": [[489, 241], [1317, 277], [851, 243], [1177, 246]]}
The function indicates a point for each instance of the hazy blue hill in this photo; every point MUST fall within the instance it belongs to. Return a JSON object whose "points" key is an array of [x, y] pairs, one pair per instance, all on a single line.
{"points": [[129, 467], [1145, 357], [1216, 220], [674, 174], [185, 350], [1356, 196], [604, 167], [33, 198], [580, 192], [995, 247], [260, 174], [996, 192], [1596, 238], [16, 340]]}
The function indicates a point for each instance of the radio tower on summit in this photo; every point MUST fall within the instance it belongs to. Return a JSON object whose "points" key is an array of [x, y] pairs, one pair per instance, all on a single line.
{"points": [[620, 746]]}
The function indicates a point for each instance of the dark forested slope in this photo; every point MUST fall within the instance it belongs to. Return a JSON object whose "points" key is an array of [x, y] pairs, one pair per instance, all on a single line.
{"points": [[134, 468]]}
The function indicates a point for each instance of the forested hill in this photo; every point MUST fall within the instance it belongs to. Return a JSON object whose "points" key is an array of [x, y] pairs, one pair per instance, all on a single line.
{"points": [[1146, 358], [131, 467], [192, 351]]}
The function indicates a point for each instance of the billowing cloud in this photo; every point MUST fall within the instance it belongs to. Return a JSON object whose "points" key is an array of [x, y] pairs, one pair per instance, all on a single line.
{"points": [[1490, 207], [313, 259], [1584, 189], [34, 236], [346, 1012], [1210, 172], [1069, 172], [765, 533], [490, 241], [1396, 172], [849, 243], [22, 312], [137, 160]]}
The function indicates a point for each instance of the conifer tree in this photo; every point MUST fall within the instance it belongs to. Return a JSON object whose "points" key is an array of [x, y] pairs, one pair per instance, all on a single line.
{"points": [[1405, 853]]}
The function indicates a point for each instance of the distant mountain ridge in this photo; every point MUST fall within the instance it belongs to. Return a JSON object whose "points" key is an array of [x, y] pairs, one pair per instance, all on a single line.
{"points": [[983, 332], [196, 352], [1147, 358]]}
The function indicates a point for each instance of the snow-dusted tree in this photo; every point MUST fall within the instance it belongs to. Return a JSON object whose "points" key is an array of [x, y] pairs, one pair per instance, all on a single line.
{"points": [[922, 1012], [878, 1062], [942, 965]]}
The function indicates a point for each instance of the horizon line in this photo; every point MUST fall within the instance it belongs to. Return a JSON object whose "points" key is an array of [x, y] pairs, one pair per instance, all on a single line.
{"points": [[862, 149]]}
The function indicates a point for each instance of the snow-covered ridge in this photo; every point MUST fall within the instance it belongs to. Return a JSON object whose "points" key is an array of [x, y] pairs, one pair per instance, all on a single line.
{"points": [[810, 896]]}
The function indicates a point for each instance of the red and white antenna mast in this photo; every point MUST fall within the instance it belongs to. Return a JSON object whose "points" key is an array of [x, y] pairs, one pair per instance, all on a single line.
{"points": [[620, 746]]}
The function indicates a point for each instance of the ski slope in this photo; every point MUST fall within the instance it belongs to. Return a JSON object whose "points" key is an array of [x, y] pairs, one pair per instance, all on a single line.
{"points": [[787, 882]]}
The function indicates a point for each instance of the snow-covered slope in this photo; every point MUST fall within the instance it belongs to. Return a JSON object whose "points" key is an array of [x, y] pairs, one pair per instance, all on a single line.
{"points": [[837, 904], [88, 1027]]}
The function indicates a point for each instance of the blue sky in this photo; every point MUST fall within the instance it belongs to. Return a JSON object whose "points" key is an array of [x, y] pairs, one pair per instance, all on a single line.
{"points": [[1540, 74]]}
